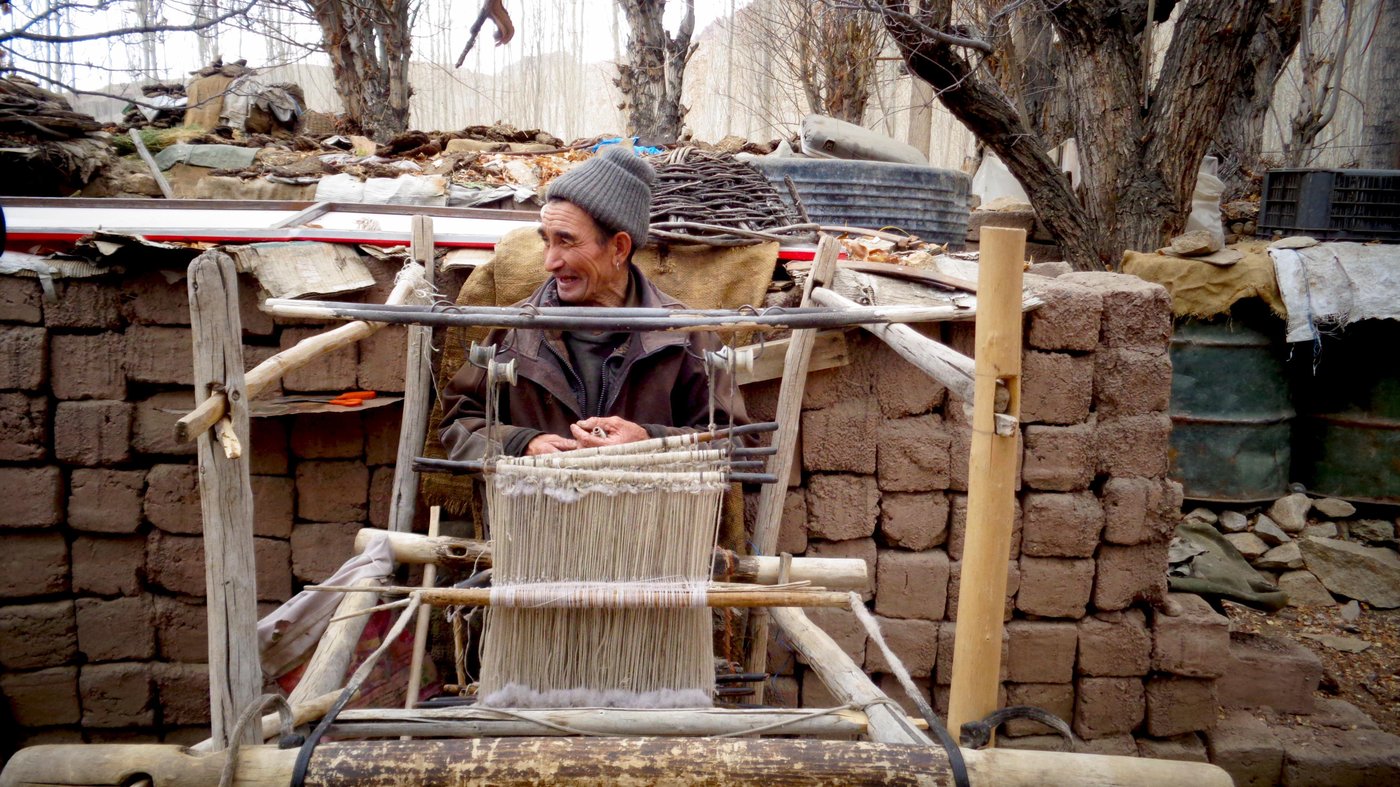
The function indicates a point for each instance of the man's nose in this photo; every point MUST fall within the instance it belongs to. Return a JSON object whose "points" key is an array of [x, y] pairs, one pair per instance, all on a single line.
{"points": [[552, 260]]}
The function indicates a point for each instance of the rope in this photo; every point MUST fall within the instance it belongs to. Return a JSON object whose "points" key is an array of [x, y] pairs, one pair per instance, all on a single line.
{"points": [[255, 710]]}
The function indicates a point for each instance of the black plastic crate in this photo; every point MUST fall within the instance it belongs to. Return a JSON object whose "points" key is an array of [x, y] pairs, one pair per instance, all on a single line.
{"points": [[1332, 204]]}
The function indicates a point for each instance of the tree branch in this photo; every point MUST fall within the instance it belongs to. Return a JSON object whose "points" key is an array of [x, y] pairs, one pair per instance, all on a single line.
{"points": [[19, 34]]}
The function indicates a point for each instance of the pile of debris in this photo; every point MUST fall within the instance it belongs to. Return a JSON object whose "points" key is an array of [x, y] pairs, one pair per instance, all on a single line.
{"points": [[46, 148], [162, 106]]}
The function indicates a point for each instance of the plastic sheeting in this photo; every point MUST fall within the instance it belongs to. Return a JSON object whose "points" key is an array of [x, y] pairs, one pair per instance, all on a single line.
{"points": [[403, 190], [1335, 284]]}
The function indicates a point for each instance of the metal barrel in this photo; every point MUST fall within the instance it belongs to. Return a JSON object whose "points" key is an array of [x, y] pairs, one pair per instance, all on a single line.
{"points": [[1347, 440], [1232, 419]]}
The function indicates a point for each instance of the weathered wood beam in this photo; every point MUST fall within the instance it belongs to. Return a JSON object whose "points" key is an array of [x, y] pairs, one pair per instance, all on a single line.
{"points": [[417, 396], [829, 351], [728, 597]]}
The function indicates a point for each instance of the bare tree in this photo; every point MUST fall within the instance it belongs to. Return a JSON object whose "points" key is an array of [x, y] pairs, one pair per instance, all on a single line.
{"points": [[652, 78], [826, 50], [1381, 112], [1140, 141], [1322, 58], [369, 43]]}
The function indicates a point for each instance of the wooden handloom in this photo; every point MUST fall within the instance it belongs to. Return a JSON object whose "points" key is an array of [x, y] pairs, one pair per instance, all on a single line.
{"points": [[587, 745]]}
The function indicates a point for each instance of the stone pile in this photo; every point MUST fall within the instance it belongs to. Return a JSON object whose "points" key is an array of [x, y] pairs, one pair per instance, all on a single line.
{"points": [[1316, 550]]}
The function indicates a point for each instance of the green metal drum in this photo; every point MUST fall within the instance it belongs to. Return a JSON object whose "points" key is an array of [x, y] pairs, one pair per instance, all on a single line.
{"points": [[1347, 441], [1232, 420]]}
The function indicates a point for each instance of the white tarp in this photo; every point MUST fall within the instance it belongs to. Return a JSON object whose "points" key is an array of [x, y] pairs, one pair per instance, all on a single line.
{"points": [[1336, 284], [403, 190]]}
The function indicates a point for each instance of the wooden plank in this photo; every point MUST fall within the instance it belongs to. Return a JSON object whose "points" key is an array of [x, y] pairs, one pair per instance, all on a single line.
{"points": [[226, 499], [991, 487], [904, 272], [151, 164], [475, 722], [829, 351], [417, 395], [789, 413], [326, 670]]}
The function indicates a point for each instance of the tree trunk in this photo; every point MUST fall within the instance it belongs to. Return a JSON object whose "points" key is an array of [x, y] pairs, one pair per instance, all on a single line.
{"points": [[369, 44], [1381, 112], [652, 79]]}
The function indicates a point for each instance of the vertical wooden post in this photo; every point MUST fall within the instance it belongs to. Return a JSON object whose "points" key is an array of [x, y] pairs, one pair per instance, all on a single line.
{"points": [[417, 395], [789, 416], [420, 631], [991, 480], [226, 499]]}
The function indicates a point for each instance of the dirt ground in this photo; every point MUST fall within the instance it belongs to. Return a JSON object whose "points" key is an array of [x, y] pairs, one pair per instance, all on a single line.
{"points": [[1370, 680]]}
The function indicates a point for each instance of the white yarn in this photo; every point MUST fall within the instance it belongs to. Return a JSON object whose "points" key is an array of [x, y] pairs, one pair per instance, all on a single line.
{"points": [[601, 595]]}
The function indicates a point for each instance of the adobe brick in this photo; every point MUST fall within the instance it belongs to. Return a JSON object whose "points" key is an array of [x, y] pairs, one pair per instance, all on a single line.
{"points": [[44, 698], [381, 496], [841, 438], [109, 566], [24, 362], [33, 636], [1136, 313], [33, 564], [841, 625], [156, 354], [1137, 510], [1115, 644], [1055, 698], [272, 505], [781, 657], [782, 691], [1061, 524], [381, 428], [150, 299], [1013, 584], [853, 381], [24, 426], [891, 687], [319, 548], [117, 695], [102, 500], [269, 454], [21, 300], [175, 563], [1182, 748], [1068, 318], [960, 450], [153, 431], [92, 433], [947, 637], [1194, 641], [761, 399], [331, 372], [183, 692], [51, 736], [792, 528], [1268, 672], [815, 694], [914, 520], [84, 303], [1055, 587], [842, 507], [332, 491], [1131, 382], [861, 548], [122, 629], [327, 436], [914, 642], [1056, 388], [1125, 575], [1105, 707], [1246, 748], [1177, 705], [34, 496], [383, 360], [1058, 458], [914, 454], [182, 627], [1133, 446], [1041, 651], [912, 584], [957, 527], [902, 389], [256, 322], [172, 498], [87, 366], [272, 559], [1339, 758]]}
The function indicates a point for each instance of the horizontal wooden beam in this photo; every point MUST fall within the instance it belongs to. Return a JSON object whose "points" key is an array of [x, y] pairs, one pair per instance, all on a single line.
{"points": [[727, 597], [769, 358]]}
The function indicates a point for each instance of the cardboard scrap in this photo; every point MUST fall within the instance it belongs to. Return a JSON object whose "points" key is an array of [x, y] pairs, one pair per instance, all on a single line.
{"points": [[295, 269]]}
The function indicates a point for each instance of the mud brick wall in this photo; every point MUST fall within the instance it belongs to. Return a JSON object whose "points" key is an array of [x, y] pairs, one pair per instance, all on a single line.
{"points": [[884, 454], [102, 608]]}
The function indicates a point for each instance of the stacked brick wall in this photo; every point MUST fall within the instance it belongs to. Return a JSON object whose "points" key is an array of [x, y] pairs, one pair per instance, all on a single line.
{"points": [[102, 595]]}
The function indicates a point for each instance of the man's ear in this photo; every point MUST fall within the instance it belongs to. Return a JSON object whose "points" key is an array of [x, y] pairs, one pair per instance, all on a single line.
{"points": [[621, 246]]}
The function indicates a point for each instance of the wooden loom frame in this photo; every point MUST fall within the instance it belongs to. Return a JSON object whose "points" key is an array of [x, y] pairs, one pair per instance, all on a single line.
{"points": [[521, 745]]}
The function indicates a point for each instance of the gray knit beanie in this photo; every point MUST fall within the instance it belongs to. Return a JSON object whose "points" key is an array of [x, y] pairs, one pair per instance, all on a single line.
{"points": [[614, 187]]}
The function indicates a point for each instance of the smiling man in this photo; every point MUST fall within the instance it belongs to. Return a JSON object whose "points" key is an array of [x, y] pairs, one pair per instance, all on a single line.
{"points": [[578, 389]]}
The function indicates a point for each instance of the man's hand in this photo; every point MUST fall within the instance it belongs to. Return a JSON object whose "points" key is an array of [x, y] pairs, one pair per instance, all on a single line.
{"points": [[549, 444], [613, 431]]}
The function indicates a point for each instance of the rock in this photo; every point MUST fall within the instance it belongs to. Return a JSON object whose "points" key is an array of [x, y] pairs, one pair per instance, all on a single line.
{"points": [[1335, 642], [1351, 611], [1369, 574], [1293, 242], [1269, 532], [1370, 530], [1321, 530], [1233, 522], [1248, 545], [1305, 590], [1334, 508], [1193, 244], [1291, 513], [1284, 557], [1202, 515]]}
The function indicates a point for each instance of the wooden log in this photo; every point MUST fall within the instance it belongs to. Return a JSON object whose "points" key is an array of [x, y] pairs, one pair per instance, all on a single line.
{"points": [[789, 411], [261, 377], [417, 396], [326, 670], [420, 630], [302, 713], [991, 480], [846, 682], [151, 164], [1016, 768], [829, 351], [466, 554], [226, 499]]}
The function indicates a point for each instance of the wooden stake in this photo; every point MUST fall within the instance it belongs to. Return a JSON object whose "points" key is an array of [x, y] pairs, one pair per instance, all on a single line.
{"points": [[789, 416], [151, 164], [420, 633], [417, 396], [226, 499], [991, 480]]}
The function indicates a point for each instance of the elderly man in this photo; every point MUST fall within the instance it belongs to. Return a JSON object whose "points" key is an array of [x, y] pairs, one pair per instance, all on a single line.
{"points": [[579, 389]]}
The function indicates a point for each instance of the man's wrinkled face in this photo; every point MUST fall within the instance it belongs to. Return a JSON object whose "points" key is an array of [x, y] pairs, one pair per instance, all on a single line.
{"points": [[589, 269]]}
